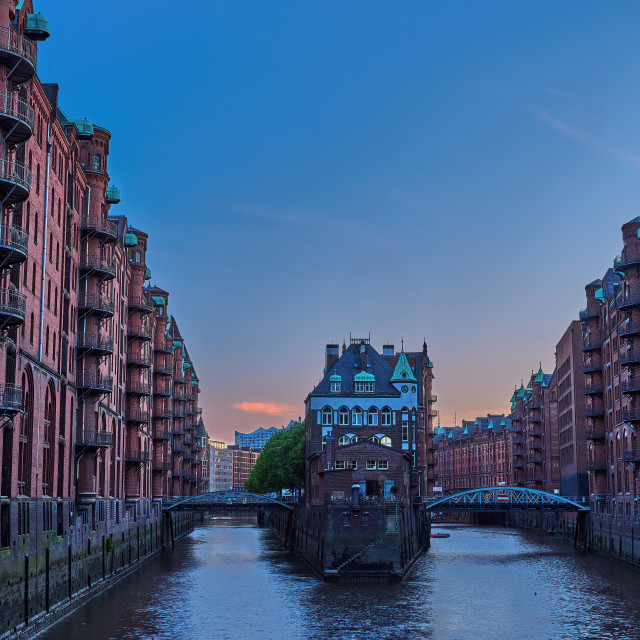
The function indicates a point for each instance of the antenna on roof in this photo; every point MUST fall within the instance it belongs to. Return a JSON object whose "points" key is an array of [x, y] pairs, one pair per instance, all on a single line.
{"points": [[402, 341]]}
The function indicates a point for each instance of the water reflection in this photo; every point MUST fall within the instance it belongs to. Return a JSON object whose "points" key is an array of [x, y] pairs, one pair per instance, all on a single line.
{"points": [[234, 582]]}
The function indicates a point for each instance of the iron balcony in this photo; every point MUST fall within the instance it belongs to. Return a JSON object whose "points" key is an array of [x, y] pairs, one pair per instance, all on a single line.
{"points": [[10, 399], [14, 242], [595, 467], [19, 54], [163, 465], [139, 358], [593, 389], [137, 303], [160, 434], [16, 117], [629, 329], [179, 413], [178, 450], [179, 473], [592, 344], [188, 455], [179, 397], [137, 415], [97, 304], [535, 458], [163, 370], [517, 440], [594, 412], [588, 314], [136, 457], [94, 382], [163, 347], [97, 343], [592, 367], [93, 438], [594, 433], [632, 455], [100, 228], [631, 386], [93, 263], [163, 413], [140, 332], [160, 389], [630, 257], [138, 388], [13, 307], [631, 415], [630, 356]]}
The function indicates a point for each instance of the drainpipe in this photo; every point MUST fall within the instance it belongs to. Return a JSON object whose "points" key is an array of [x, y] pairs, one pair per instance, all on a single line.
{"points": [[44, 244]]}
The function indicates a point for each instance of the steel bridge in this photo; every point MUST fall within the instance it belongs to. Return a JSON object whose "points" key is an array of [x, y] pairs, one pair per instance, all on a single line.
{"points": [[491, 499], [235, 500]]}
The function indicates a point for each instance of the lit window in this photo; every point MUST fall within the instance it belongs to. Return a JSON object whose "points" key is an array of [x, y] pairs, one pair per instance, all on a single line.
{"points": [[383, 464], [357, 416], [386, 441], [326, 416], [352, 464], [343, 416], [385, 417], [373, 417], [371, 464], [340, 464]]}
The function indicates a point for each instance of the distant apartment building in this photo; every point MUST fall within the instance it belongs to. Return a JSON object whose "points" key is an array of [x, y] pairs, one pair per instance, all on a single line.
{"points": [[256, 439], [244, 459], [534, 411], [474, 455], [220, 466], [571, 390]]}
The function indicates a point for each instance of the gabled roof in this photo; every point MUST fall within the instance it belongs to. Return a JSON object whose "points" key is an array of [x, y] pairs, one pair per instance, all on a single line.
{"points": [[363, 376], [403, 372]]}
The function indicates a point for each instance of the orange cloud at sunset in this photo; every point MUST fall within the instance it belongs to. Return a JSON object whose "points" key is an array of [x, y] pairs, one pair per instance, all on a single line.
{"points": [[270, 408]]}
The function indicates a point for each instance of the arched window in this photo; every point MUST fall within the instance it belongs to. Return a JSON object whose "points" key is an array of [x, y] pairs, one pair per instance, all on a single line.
{"points": [[374, 439], [342, 440], [33, 279], [53, 346], [343, 416], [385, 417], [356, 416], [97, 162], [46, 342], [31, 323], [326, 416], [386, 441], [373, 417]]}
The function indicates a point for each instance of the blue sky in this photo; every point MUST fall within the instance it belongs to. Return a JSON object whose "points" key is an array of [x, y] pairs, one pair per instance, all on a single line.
{"points": [[455, 171]]}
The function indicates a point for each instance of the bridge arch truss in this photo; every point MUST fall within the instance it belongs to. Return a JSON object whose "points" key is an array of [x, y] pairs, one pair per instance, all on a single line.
{"points": [[225, 498]]}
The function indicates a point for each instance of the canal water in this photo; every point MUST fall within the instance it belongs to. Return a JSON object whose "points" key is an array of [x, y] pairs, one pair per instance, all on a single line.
{"points": [[234, 581]]}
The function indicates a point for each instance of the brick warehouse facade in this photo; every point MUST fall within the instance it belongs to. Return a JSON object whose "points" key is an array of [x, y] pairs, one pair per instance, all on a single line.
{"points": [[369, 421], [98, 396]]}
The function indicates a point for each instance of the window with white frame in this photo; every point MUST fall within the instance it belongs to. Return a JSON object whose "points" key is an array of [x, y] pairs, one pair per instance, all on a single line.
{"points": [[405, 432], [326, 416], [343, 416], [342, 440], [386, 441], [383, 464], [356, 416], [354, 439], [352, 464], [336, 386], [374, 439], [373, 417], [385, 417], [341, 464], [371, 464], [365, 387], [324, 442]]}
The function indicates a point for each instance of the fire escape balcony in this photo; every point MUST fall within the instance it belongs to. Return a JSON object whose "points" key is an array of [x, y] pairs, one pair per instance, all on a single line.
{"points": [[631, 415], [632, 300], [163, 370], [536, 417], [136, 457], [592, 389], [632, 455], [102, 228], [592, 344], [178, 473], [93, 438], [162, 413], [188, 455], [163, 347], [138, 388], [594, 412], [138, 358], [93, 263], [592, 367], [13, 245], [138, 415], [631, 386], [94, 382], [630, 257], [97, 304], [535, 458], [137, 303], [160, 389], [16, 118], [179, 396], [13, 306], [518, 465], [162, 465], [178, 450], [192, 411], [94, 342], [10, 399], [140, 332], [177, 429], [629, 329], [630, 356], [517, 440], [19, 54], [595, 433], [161, 434], [179, 413], [589, 314], [596, 467]]}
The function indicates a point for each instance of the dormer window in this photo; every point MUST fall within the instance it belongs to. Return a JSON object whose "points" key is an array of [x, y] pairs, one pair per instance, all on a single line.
{"points": [[336, 383], [364, 382]]}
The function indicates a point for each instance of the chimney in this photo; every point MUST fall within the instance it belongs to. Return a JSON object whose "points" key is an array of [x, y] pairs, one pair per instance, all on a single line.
{"points": [[332, 356], [388, 353]]}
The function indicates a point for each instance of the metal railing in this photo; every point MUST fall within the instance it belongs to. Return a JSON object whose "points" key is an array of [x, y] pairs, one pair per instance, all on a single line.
{"points": [[163, 465], [141, 388], [141, 303], [10, 397], [596, 466], [136, 456], [630, 386], [139, 331], [592, 388], [592, 344], [629, 328], [94, 381], [594, 412], [93, 438], [163, 369], [630, 356], [163, 413], [139, 357], [12, 303], [136, 415], [595, 434], [14, 238], [631, 415], [586, 314], [98, 263], [592, 367], [161, 434], [632, 455], [630, 255], [94, 341], [162, 390], [96, 301], [163, 347], [14, 42], [101, 225]]}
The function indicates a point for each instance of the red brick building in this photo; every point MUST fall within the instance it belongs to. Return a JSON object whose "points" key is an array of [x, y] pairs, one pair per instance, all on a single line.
{"points": [[475, 455], [368, 422], [243, 461], [98, 394]]}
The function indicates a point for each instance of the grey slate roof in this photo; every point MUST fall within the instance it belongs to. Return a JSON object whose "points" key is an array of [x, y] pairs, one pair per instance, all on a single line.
{"points": [[350, 363]]}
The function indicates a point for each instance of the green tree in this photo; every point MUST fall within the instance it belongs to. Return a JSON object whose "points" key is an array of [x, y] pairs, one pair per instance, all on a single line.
{"points": [[281, 463]]}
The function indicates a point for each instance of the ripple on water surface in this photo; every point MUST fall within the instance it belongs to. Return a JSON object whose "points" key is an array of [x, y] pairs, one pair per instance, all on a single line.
{"points": [[234, 582]]}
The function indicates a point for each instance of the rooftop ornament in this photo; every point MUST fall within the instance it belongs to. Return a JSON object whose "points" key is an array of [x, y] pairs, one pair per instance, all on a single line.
{"points": [[37, 27]]}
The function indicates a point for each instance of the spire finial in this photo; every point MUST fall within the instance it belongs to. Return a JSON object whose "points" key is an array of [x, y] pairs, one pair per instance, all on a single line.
{"points": [[402, 342]]}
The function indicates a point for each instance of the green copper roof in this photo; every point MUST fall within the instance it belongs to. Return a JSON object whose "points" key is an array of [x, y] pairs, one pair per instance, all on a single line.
{"points": [[130, 240], [520, 392], [466, 431], [335, 378], [364, 376], [177, 343], [112, 195], [539, 376], [503, 422], [147, 274], [402, 372], [84, 127], [186, 365], [158, 300], [36, 27], [490, 425]]}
